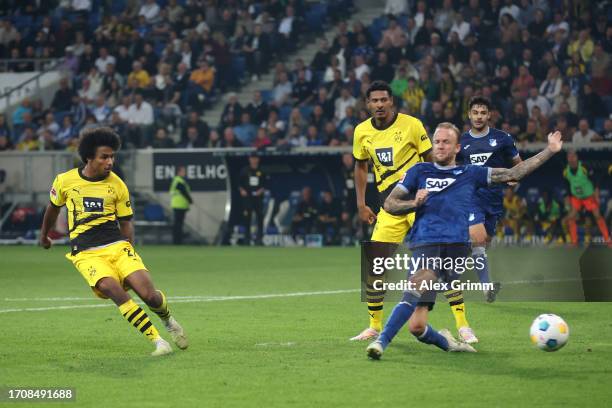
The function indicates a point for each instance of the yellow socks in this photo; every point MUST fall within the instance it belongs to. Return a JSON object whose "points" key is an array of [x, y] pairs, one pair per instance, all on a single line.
{"points": [[455, 300], [139, 319], [162, 311], [375, 307]]}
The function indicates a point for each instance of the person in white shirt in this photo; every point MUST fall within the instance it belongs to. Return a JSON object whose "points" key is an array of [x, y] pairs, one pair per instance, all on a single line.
{"points": [[81, 5], [445, 16], [551, 86], [140, 112], [557, 25], [421, 13], [87, 92], [535, 99], [101, 111], [140, 121], [565, 96], [460, 27], [49, 125], [124, 109], [150, 11], [584, 134], [511, 9], [360, 67], [282, 91], [396, 7], [285, 28], [104, 59], [345, 100]]}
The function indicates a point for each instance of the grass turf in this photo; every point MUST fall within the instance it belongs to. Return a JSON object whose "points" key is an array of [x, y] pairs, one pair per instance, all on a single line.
{"points": [[283, 351]]}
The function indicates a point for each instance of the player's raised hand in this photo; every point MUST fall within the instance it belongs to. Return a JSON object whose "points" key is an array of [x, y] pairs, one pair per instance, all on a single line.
{"points": [[45, 242], [366, 214], [554, 141], [420, 197]]}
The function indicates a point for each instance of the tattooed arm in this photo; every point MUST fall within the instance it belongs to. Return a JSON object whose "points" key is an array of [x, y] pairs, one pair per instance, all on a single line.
{"points": [[525, 167], [396, 203]]}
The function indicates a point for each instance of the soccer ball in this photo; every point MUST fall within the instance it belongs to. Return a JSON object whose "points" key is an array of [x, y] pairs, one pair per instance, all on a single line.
{"points": [[549, 332]]}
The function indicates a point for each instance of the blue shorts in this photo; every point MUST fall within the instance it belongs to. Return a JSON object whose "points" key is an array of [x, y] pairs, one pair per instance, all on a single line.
{"points": [[458, 253], [488, 216]]}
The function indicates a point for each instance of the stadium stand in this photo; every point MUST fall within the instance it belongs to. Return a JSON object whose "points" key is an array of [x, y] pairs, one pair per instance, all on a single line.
{"points": [[153, 69]]}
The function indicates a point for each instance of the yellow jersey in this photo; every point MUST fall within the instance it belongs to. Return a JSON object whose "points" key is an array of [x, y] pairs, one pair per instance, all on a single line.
{"points": [[93, 207], [392, 150], [515, 207]]}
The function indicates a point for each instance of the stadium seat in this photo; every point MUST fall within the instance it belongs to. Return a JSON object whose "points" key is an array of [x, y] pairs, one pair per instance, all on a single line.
{"points": [[306, 111], [315, 17], [312, 22], [154, 212], [266, 95], [285, 112], [117, 7], [22, 22]]}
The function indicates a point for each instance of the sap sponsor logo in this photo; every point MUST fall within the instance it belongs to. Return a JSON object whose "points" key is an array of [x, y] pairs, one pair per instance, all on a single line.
{"points": [[436, 184], [480, 158]]}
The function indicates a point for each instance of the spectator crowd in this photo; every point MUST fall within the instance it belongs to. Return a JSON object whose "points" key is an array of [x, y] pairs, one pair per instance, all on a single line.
{"points": [[149, 68]]}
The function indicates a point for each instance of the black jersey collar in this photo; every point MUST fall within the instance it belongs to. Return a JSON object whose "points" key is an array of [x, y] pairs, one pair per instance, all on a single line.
{"points": [[84, 177], [385, 127]]}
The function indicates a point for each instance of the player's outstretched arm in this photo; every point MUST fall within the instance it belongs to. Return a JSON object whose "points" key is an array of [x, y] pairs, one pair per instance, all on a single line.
{"points": [[398, 204], [49, 219], [525, 167]]}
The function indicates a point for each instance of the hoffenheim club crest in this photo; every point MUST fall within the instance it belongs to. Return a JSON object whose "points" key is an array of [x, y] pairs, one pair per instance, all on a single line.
{"points": [[493, 142]]}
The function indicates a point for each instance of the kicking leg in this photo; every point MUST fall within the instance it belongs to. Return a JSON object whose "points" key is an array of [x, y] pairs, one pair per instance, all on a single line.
{"points": [[426, 334], [133, 313], [400, 315], [140, 281]]}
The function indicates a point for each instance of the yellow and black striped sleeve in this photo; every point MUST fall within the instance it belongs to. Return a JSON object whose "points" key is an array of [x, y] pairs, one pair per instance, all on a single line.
{"points": [[56, 194], [359, 151], [422, 142], [123, 206]]}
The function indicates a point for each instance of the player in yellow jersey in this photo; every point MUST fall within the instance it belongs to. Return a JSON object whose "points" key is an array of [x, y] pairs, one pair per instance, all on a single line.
{"points": [[394, 142], [101, 236]]}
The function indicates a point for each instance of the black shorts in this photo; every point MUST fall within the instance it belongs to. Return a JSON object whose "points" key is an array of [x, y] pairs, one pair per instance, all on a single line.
{"points": [[441, 259]]}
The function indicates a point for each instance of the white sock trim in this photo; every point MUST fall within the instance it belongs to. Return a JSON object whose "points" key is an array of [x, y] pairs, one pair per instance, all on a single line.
{"points": [[424, 333]]}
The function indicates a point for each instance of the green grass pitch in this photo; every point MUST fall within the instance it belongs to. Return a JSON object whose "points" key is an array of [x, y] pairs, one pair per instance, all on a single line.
{"points": [[291, 350]]}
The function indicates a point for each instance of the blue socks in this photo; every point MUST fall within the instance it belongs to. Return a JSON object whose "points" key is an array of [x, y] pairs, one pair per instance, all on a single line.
{"points": [[481, 264], [399, 316], [430, 336]]}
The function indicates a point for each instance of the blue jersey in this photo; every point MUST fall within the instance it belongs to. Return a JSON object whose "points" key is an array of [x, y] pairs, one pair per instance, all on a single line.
{"points": [[443, 218], [494, 149]]}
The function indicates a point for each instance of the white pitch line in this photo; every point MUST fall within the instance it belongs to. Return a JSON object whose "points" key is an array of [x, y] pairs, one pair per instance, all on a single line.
{"points": [[191, 299], [202, 298], [93, 298]]}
